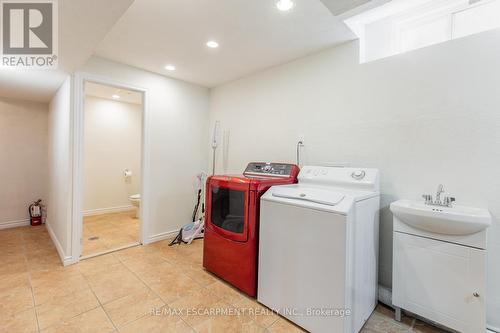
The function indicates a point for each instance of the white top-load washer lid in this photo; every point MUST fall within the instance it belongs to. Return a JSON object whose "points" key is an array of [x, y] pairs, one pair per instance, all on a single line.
{"points": [[317, 195], [310, 197]]}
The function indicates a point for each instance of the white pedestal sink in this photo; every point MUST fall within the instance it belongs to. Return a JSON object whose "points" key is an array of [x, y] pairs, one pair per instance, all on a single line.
{"points": [[439, 263], [456, 220]]}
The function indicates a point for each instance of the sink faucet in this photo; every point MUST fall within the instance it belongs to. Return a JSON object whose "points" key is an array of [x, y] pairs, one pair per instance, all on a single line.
{"points": [[440, 190], [447, 202]]}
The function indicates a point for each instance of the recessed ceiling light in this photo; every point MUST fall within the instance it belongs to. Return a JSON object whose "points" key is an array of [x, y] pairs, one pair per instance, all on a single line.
{"points": [[115, 96], [170, 68], [284, 5], [212, 44]]}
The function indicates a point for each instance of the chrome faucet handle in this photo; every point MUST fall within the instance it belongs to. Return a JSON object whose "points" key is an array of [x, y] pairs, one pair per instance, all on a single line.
{"points": [[427, 198], [448, 201]]}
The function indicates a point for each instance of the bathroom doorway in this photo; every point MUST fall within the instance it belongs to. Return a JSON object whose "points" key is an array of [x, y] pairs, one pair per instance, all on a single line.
{"points": [[111, 168]]}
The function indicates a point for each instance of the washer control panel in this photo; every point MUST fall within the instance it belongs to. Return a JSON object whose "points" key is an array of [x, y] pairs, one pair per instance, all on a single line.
{"points": [[358, 174], [268, 169], [345, 177]]}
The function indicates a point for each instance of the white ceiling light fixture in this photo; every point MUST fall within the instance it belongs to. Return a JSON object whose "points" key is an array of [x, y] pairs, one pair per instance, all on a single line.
{"points": [[212, 44], [170, 68], [284, 5], [115, 96]]}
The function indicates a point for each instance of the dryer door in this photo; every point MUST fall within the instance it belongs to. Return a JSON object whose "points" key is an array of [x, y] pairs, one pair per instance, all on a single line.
{"points": [[227, 209]]}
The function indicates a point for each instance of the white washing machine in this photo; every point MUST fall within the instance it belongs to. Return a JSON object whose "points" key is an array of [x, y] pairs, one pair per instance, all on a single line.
{"points": [[318, 248]]}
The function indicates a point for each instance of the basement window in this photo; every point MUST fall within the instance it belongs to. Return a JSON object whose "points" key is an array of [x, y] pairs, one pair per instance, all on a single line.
{"points": [[404, 25]]}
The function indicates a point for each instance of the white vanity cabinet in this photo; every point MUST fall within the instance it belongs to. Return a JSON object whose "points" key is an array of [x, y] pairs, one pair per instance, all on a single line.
{"points": [[441, 281], [441, 277]]}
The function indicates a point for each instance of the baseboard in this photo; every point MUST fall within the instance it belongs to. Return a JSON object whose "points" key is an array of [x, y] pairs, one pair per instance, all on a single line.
{"points": [[162, 236], [385, 297], [66, 260], [107, 210], [14, 224]]}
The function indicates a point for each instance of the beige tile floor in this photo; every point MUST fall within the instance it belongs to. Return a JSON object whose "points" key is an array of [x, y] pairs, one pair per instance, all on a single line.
{"points": [[114, 230], [140, 289]]}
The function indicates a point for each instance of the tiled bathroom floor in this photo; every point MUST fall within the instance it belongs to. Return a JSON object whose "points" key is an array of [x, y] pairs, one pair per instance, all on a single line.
{"points": [[140, 289], [106, 232]]}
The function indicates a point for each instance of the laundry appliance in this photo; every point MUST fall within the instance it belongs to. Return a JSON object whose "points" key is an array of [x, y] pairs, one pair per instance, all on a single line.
{"points": [[232, 221], [318, 248]]}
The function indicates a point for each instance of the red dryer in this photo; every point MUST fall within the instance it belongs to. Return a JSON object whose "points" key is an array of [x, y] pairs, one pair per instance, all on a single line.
{"points": [[230, 249]]}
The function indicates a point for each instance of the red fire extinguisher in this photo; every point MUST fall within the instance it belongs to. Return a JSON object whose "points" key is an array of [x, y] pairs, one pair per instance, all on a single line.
{"points": [[35, 210]]}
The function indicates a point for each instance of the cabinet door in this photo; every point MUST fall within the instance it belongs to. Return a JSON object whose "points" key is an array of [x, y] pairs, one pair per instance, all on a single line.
{"points": [[440, 281]]}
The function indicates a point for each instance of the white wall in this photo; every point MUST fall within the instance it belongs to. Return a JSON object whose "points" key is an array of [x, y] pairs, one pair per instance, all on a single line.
{"points": [[177, 129], [60, 175], [425, 117], [23, 159], [112, 143]]}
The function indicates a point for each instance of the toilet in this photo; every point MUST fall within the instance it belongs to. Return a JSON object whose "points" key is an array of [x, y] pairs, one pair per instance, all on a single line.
{"points": [[135, 200]]}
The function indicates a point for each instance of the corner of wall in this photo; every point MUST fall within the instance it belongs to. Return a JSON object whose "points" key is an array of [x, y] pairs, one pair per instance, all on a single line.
{"points": [[60, 171], [66, 260]]}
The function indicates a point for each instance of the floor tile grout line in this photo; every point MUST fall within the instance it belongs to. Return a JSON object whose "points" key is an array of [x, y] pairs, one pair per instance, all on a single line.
{"points": [[147, 285], [69, 318], [278, 316], [30, 282], [97, 298], [235, 306], [112, 254], [219, 299], [203, 286], [163, 300], [98, 301], [74, 316], [34, 306]]}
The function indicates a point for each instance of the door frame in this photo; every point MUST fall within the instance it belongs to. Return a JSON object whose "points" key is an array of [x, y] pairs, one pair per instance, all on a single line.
{"points": [[78, 122]]}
